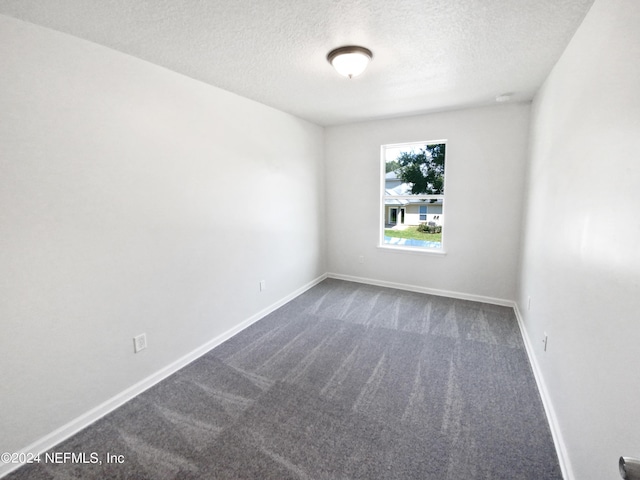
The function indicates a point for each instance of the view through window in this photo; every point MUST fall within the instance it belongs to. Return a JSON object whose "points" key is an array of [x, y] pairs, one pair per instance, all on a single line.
{"points": [[413, 195]]}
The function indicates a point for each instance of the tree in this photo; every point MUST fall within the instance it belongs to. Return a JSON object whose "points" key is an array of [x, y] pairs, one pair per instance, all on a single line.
{"points": [[392, 166], [423, 169]]}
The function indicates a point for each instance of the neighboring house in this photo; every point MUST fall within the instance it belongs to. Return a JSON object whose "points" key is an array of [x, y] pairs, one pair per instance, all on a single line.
{"points": [[406, 211]]}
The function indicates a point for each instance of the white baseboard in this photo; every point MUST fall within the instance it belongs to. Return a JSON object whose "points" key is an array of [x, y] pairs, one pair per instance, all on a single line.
{"points": [[54, 438], [563, 457], [430, 291], [561, 449]]}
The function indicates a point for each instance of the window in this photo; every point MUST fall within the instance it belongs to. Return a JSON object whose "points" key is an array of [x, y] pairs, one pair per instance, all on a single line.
{"points": [[423, 213], [413, 178]]}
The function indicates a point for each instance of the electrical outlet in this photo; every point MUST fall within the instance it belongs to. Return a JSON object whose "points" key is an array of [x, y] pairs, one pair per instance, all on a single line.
{"points": [[361, 259], [545, 341], [139, 342], [529, 303], [263, 285]]}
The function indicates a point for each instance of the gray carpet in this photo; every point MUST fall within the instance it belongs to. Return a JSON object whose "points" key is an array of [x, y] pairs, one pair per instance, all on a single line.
{"points": [[347, 381]]}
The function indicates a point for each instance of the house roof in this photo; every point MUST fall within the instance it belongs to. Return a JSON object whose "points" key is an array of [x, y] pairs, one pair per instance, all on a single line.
{"points": [[401, 189], [403, 202]]}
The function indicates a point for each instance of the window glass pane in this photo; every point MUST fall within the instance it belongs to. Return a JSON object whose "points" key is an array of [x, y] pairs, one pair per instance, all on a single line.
{"points": [[414, 194], [414, 169]]}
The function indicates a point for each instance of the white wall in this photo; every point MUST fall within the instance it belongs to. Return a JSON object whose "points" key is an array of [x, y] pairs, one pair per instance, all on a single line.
{"points": [[485, 169], [581, 255], [134, 199]]}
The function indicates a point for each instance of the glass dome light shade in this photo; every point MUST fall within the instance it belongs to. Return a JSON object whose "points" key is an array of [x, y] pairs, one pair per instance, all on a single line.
{"points": [[350, 61]]}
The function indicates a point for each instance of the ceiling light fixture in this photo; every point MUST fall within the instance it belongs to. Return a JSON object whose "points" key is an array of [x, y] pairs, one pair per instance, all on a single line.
{"points": [[350, 61]]}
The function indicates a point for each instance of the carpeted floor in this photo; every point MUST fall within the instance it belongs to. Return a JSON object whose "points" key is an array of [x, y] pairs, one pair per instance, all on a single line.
{"points": [[347, 381]]}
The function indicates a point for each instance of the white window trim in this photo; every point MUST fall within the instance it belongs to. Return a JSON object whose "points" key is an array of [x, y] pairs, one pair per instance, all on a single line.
{"points": [[404, 248]]}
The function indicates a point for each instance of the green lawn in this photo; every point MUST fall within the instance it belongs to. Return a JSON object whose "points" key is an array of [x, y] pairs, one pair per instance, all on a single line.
{"points": [[412, 232]]}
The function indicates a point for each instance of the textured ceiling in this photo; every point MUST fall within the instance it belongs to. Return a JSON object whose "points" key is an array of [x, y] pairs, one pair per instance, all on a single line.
{"points": [[429, 55]]}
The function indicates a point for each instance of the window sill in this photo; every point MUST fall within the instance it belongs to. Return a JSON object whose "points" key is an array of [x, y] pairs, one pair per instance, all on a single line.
{"points": [[414, 250]]}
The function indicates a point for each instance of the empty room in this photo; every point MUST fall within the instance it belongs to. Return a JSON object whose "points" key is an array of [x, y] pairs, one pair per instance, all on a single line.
{"points": [[320, 239]]}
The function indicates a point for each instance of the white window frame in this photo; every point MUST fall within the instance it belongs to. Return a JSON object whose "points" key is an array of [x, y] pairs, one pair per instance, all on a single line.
{"points": [[382, 211]]}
